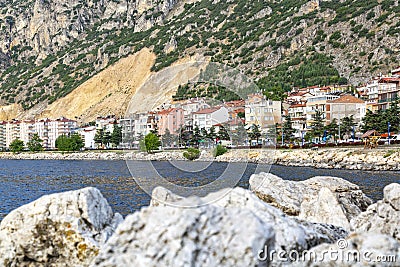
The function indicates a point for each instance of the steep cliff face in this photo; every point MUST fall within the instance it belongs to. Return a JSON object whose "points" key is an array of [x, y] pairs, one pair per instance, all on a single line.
{"points": [[42, 27], [49, 48]]}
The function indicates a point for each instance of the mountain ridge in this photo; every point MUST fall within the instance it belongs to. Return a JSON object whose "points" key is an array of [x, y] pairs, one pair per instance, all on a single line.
{"points": [[274, 42]]}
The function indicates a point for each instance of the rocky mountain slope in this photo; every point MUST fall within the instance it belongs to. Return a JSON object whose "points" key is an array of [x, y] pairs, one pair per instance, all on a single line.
{"points": [[50, 48]]}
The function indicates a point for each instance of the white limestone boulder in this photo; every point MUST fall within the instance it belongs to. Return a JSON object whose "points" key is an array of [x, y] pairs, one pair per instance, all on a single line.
{"points": [[319, 199], [382, 217], [65, 229], [227, 231], [358, 250]]}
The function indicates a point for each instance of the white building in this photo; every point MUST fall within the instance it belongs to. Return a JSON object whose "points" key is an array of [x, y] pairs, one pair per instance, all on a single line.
{"points": [[208, 117], [262, 112], [346, 106], [48, 130], [88, 133], [297, 114], [317, 103]]}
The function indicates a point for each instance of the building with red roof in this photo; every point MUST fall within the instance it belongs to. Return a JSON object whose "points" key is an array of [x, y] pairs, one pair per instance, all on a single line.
{"points": [[345, 106]]}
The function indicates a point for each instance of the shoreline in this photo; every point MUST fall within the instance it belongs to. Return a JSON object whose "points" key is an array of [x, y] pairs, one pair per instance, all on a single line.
{"points": [[382, 159]]}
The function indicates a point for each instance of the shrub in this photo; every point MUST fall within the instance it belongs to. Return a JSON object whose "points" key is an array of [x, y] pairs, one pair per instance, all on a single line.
{"points": [[191, 153], [219, 150]]}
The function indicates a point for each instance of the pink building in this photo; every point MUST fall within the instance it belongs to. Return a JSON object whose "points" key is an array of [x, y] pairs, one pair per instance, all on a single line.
{"points": [[172, 119]]}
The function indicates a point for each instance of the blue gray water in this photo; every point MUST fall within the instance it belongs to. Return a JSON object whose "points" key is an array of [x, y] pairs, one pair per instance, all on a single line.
{"points": [[23, 181]]}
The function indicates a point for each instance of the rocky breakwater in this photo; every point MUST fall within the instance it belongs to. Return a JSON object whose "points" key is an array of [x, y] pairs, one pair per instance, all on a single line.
{"points": [[161, 156], [319, 199], [373, 228], [233, 227], [339, 158], [65, 229], [229, 231]]}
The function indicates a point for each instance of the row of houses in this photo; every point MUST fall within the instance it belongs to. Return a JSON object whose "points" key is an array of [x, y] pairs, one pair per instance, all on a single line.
{"points": [[192, 113], [381, 91], [337, 102], [47, 129], [50, 129]]}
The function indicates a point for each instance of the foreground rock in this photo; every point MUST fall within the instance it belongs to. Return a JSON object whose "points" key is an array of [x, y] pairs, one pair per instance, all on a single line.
{"points": [[382, 217], [65, 229], [328, 200], [229, 231], [366, 249]]}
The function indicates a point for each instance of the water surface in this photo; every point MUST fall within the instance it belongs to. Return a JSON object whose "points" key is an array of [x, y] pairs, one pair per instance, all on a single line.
{"points": [[23, 181]]}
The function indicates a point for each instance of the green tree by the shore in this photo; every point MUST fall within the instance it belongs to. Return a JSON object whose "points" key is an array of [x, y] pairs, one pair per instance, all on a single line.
{"points": [[287, 129], [317, 126], [152, 142], [98, 137], [347, 125], [69, 143], [35, 144], [333, 128], [116, 136], [379, 120], [223, 133], [106, 138], [196, 137], [17, 146], [255, 132], [167, 138]]}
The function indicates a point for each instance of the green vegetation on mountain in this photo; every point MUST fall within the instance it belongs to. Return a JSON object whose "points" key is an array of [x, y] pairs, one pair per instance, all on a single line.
{"points": [[280, 44]]}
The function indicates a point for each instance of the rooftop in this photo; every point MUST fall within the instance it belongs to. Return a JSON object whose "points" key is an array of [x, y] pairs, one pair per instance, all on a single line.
{"points": [[347, 99], [207, 110]]}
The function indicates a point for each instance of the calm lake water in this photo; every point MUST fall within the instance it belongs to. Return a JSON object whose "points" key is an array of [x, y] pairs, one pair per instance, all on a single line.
{"points": [[23, 181]]}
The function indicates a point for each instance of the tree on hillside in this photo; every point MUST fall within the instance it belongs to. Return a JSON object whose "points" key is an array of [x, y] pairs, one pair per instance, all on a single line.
{"points": [[35, 144], [317, 126], [17, 145], [152, 142]]}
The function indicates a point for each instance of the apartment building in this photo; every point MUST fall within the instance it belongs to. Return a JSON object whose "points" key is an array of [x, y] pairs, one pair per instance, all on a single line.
{"points": [[190, 106], [297, 114], [172, 119], [3, 135], [345, 106], [262, 112], [87, 134], [208, 117], [388, 91], [48, 130], [317, 103]]}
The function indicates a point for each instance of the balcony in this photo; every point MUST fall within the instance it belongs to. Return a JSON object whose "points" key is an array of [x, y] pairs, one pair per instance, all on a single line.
{"points": [[387, 100]]}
